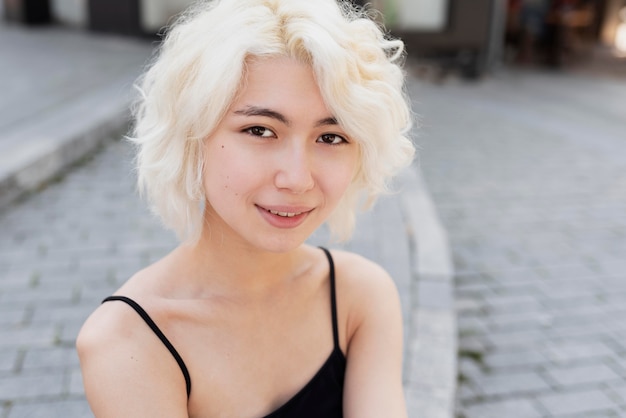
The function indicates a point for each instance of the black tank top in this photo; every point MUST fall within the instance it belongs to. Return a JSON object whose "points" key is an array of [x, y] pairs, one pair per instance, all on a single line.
{"points": [[322, 396]]}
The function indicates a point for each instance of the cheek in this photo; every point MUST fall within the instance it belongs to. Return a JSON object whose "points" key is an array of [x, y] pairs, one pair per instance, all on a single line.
{"points": [[338, 176], [227, 171]]}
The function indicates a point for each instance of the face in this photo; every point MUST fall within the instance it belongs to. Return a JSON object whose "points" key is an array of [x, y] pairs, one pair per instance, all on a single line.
{"points": [[278, 162]]}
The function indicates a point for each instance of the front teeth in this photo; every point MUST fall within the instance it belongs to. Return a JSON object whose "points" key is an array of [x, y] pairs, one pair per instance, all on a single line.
{"points": [[286, 214]]}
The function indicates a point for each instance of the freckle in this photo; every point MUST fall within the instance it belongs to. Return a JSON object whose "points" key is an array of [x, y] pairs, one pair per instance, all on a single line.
{"points": [[222, 146]]}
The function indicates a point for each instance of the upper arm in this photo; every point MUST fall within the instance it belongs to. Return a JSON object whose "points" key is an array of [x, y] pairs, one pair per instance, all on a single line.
{"points": [[373, 386], [125, 370]]}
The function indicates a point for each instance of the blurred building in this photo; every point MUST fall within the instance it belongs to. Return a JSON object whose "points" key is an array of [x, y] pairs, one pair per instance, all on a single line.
{"points": [[469, 35], [564, 32]]}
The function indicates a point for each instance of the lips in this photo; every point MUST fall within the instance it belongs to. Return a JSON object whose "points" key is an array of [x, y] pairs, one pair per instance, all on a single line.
{"points": [[284, 216]]}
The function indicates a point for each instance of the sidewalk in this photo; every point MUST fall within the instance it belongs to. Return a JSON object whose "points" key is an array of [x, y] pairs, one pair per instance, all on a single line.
{"points": [[528, 172], [63, 91], [65, 246]]}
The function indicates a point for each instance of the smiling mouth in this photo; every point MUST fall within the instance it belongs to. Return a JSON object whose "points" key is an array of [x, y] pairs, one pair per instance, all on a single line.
{"points": [[284, 214]]}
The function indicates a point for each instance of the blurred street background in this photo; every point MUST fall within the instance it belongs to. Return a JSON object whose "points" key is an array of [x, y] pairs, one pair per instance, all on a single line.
{"points": [[507, 239]]}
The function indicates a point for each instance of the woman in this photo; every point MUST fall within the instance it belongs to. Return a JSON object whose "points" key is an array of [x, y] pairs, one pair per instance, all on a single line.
{"points": [[259, 121]]}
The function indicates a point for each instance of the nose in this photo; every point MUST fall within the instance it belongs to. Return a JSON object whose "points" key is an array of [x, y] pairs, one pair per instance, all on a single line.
{"points": [[294, 169]]}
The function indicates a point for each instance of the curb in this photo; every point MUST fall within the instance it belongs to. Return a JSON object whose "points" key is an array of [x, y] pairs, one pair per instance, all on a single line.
{"points": [[432, 341], [35, 154]]}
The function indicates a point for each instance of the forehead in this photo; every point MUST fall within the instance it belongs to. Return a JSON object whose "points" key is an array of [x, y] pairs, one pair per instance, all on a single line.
{"points": [[283, 84]]}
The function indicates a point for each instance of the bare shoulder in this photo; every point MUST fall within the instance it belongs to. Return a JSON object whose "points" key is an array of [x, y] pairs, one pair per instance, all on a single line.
{"points": [[116, 322], [361, 276], [110, 324], [366, 292], [123, 366]]}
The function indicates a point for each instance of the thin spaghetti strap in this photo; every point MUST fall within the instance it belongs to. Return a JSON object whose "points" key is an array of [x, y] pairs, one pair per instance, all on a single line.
{"points": [[333, 297], [144, 315]]}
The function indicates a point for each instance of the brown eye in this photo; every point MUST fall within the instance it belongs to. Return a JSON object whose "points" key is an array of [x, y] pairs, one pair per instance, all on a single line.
{"points": [[260, 131], [331, 139]]}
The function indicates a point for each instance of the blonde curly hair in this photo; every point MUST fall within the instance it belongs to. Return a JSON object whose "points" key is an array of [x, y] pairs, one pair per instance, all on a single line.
{"points": [[200, 69]]}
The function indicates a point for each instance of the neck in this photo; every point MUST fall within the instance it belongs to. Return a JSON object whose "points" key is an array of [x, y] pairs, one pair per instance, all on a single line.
{"points": [[234, 268]]}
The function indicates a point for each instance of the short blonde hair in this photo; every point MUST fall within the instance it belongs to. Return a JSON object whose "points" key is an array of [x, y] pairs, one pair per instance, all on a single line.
{"points": [[200, 68]]}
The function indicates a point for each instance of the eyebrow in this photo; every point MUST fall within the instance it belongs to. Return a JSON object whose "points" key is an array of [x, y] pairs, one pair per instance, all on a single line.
{"points": [[269, 113]]}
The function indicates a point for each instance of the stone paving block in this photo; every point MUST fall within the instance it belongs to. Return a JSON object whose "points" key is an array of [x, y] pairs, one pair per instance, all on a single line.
{"points": [[587, 317], [462, 280], [577, 402], [24, 305], [524, 274], [526, 358], [69, 331], [564, 293], [466, 393], [594, 300], [470, 368], [472, 324], [588, 331], [73, 408], [572, 270], [476, 290], [519, 322], [473, 345], [31, 336], [615, 284], [11, 317], [585, 374], [31, 385], [467, 306], [39, 296], [516, 340], [76, 387], [8, 359], [508, 383], [517, 288], [567, 351], [62, 313], [50, 358], [507, 408], [607, 413], [516, 307]]}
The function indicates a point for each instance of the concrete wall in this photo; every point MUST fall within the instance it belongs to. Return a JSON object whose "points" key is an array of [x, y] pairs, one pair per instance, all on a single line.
{"points": [[422, 15], [413, 15], [70, 12], [156, 13]]}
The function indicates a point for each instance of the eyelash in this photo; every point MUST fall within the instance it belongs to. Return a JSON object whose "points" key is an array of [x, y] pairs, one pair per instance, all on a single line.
{"points": [[251, 131], [341, 142]]}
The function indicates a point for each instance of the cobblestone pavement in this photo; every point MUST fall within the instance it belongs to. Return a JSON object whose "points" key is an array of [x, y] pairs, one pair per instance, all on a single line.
{"points": [[528, 172], [61, 251]]}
